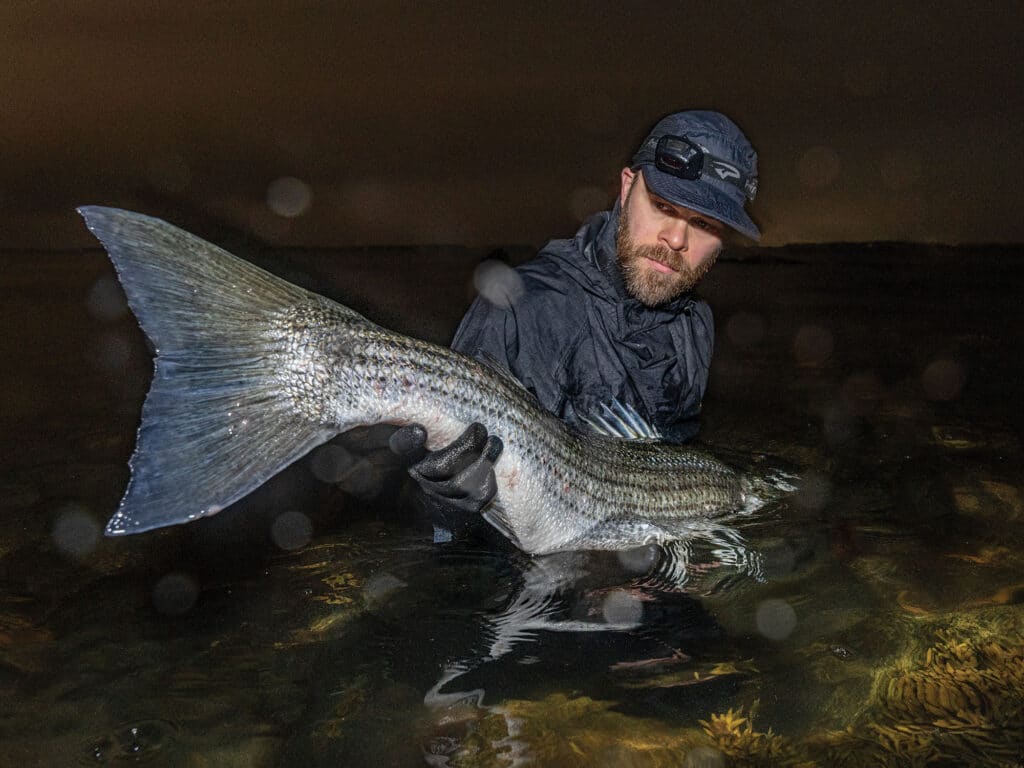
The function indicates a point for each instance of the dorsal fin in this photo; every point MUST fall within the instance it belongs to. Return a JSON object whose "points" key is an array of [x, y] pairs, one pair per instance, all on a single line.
{"points": [[619, 419]]}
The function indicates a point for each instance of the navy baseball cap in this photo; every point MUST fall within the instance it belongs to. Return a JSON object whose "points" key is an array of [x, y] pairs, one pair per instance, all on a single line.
{"points": [[716, 177]]}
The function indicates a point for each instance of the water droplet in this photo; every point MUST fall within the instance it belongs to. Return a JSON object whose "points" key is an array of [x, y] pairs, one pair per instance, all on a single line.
{"points": [[291, 530], [814, 491], [776, 619], [639, 559], [620, 607], [289, 197], [363, 480], [943, 379], [330, 463], [175, 594], [779, 559], [380, 586], [106, 301], [812, 345], [75, 532], [498, 283]]}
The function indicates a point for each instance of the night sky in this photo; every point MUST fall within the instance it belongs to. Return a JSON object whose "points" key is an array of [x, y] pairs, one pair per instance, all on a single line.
{"points": [[342, 123]]}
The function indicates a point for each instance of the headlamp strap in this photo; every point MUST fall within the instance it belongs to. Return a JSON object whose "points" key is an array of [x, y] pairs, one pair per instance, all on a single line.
{"points": [[715, 168]]}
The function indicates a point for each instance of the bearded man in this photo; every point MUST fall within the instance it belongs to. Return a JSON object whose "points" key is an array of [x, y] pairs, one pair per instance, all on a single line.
{"points": [[611, 315]]}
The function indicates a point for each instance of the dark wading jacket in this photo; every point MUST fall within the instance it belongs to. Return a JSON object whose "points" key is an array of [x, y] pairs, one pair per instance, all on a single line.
{"points": [[576, 339]]}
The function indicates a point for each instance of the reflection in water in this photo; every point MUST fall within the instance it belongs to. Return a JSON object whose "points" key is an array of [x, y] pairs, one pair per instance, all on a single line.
{"points": [[634, 595]]}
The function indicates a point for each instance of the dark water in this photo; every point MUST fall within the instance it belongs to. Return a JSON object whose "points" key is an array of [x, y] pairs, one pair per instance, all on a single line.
{"points": [[873, 617]]}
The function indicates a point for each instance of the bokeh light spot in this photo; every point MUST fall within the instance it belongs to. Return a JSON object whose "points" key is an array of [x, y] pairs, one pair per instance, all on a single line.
{"points": [[331, 463], [745, 329], [365, 480], [175, 594], [813, 492], [621, 607], [291, 530], [776, 619], [812, 345], [75, 532], [380, 587], [106, 301], [639, 559], [818, 167], [943, 379], [289, 197], [779, 559], [497, 282]]}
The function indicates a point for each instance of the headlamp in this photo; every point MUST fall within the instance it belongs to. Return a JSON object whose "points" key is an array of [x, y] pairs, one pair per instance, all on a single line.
{"points": [[684, 159]]}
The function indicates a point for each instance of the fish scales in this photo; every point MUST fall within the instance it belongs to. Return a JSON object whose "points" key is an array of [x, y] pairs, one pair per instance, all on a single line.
{"points": [[584, 483], [263, 360]]}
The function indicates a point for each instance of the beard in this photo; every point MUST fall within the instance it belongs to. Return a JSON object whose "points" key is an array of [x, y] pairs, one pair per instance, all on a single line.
{"points": [[642, 282]]}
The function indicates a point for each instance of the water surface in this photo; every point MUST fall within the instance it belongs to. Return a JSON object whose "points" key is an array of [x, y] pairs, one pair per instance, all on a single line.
{"points": [[873, 617]]}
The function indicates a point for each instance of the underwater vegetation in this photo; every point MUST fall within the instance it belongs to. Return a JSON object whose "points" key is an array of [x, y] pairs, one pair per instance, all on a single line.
{"points": [[955, 697], [584, 732], [738, 743]]}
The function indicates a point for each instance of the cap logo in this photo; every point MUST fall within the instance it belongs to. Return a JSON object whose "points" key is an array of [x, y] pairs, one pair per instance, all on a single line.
{"points": [[725, 170]]}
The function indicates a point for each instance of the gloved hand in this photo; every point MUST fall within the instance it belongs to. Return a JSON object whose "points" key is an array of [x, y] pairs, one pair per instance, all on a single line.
{"points": [[460, 475]]}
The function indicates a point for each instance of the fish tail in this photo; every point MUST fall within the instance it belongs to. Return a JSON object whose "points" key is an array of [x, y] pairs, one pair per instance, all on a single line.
{"points": [[217, 422]]}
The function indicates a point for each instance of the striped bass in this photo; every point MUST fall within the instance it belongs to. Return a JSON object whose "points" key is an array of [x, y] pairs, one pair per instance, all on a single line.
{"points": [[252, 372]]}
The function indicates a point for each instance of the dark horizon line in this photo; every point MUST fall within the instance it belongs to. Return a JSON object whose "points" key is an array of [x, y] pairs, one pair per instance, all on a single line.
{"points": [[261, 245]]}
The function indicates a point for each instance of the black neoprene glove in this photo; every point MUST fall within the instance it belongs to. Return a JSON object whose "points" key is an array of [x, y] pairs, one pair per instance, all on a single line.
{"points": [[460, 475]]}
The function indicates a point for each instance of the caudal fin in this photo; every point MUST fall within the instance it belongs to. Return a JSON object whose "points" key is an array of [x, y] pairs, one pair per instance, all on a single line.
{"points": [[216, 422]]}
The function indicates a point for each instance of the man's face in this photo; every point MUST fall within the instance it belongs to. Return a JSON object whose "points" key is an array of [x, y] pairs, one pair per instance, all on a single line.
{"points": [[664, 249]]}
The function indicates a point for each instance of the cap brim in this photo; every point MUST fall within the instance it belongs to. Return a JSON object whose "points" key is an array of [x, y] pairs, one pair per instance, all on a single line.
{"points": [[703, 198]]}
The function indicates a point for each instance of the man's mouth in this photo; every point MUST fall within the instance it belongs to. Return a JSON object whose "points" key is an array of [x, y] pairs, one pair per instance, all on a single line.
{"points": [[658, 266]]}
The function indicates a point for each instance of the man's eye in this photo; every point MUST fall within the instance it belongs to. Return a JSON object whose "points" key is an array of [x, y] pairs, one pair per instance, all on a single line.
{"points": [[705, 225], [664, 208]]}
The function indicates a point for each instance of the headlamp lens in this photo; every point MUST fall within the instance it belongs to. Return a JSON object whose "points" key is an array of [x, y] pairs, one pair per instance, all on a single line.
{"points": [[680, 157]]}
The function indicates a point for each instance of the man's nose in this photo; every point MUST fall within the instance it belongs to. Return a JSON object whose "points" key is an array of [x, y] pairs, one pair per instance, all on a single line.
{"points": [[676, 234]]}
